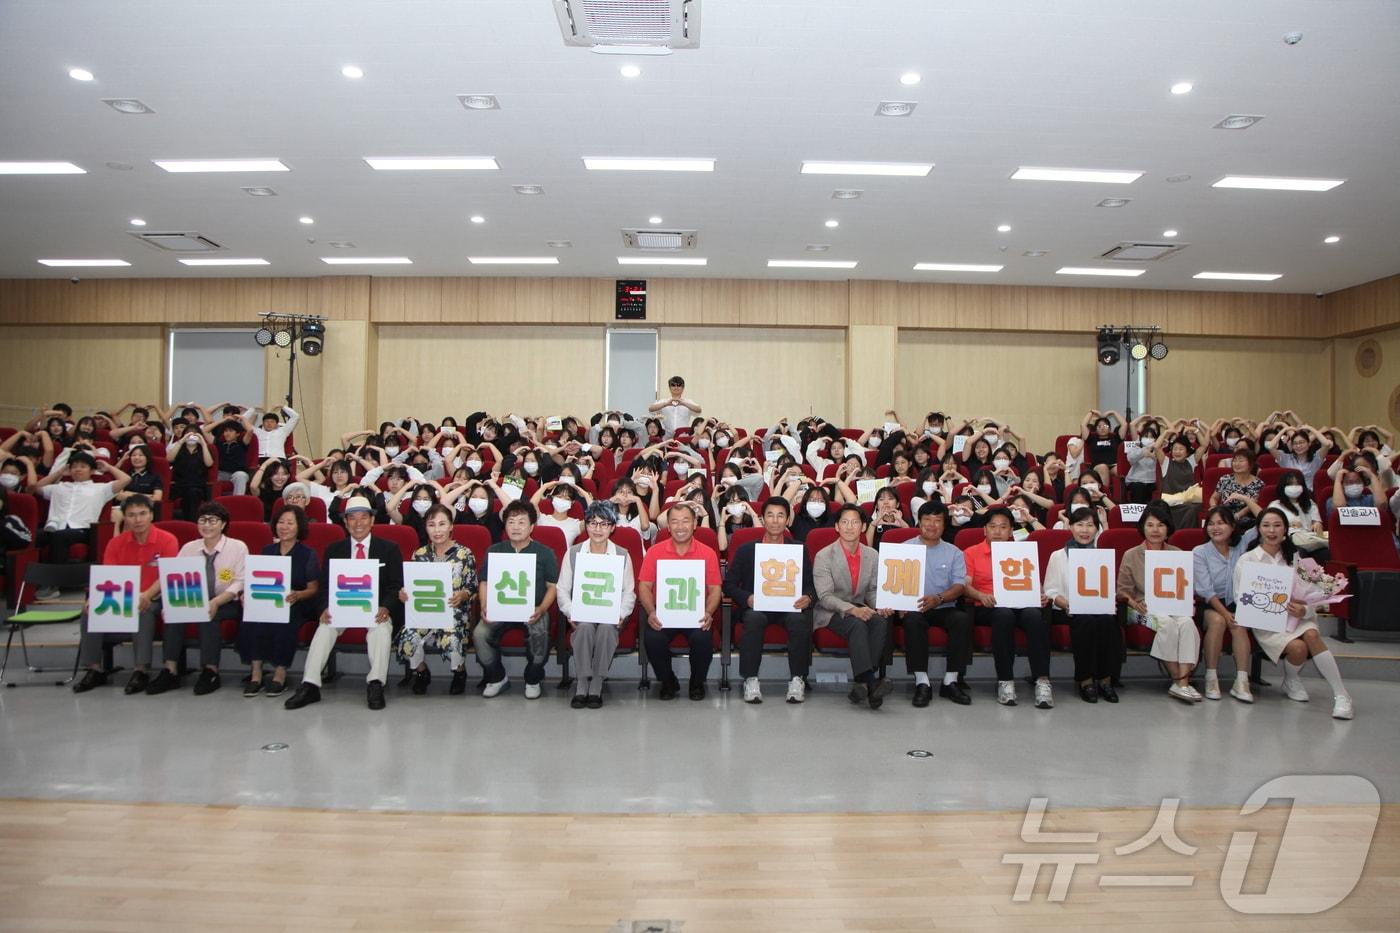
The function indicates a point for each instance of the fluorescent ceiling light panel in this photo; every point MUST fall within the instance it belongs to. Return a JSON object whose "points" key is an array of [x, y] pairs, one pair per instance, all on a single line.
{"points": [[660, 261], [416, 164], [1239, 276], [221, 165], [1087, 270], [595, 164], [910, 169], [513, 260], [1266, 183], [954, 267], [82, 263], [367, 260], [224, 262], [809, 264], [1075, 174], [40, 168]]}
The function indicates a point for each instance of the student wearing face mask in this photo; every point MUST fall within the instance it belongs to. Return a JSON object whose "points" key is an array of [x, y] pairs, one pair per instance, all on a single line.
{"points": [[962, 513], [632, 509], [887, 515], [1004, 472], [421, 496], [1140, 482], [554, 501], [732, 512], [1305, 528], [1099, 499], [190, 461], [470, 502], [984, 489], [1360, 485], [813, 511]]}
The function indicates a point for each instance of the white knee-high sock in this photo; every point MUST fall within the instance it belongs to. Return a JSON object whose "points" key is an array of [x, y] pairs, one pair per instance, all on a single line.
{"points": [[1327, 667], [1292, 671]]}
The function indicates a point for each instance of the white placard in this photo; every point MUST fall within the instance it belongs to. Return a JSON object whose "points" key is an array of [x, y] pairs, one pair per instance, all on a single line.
{"points": [[1358, 515], [866, 489], [1091, 581], [959, 442], [1131, 512], [429, 588], [510, 587], [1016, 574], [777, 576], [268, 583], [182, 588], [900, 580], [114, 598], [597, 589], [1169, 583], [680, 593], [353, 600], [511, 491], [1262, 600]]}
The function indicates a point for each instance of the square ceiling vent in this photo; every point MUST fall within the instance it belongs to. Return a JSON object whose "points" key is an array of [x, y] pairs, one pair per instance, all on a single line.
{"points": [[607, 25], [1142, 252], [668, 240], [179, 242]]}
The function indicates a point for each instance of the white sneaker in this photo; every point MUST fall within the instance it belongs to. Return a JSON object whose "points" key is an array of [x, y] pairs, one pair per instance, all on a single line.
{"points": [[1043, 697], [797, 690], [1342, 708], [494, 689], [1212, 685], [1006, 692], [1195, 694], [533, 691], [1293, 689], [752, 693], [1181, 693], [1240, 690]]}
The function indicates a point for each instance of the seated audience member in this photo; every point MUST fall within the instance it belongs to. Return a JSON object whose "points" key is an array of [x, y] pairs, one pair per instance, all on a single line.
{"points": [[738, 586], [1004, 621], [1292, 648], [190, 460], [1178, 466], [1302, 448], [358, 545], [1140, 482], [594, 643], [675, 410], [977, 454], [815, 512], [633, 510], [144, 482], [15, 535], [1052, 468], [1177, 642], [1023, 518], [556, 512], [519, 520], [1305, 528], [231, 453], [681, 545], [1103, 435], [1359, 486], [421, 497], [271, 478], [984, 489], [887, 514], [271, 432], [844, 575], [413, 645], [732, 512], [945, 576], [1214, 575], [962, 513], [140, 545], [224, 560], [1097, 640], [1239, 490], [471, 504], [263, 644], [74, 507], [1033, 490], [19, 454]]}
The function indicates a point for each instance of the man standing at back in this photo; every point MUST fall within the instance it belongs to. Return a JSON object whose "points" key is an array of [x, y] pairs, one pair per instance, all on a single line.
{"points": [[675, 412]]}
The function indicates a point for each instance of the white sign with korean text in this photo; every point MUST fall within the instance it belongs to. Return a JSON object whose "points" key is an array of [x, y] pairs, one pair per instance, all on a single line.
{"points": [[1262, 599], [1016, 574], [510, 587], [1169, 583], [777, 576], [597, 589], [680, 593], [429, 589], [1091, 581], [900, 580]]}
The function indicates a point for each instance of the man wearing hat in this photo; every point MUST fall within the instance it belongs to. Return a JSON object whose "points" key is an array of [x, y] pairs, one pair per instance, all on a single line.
{"points": [[360, 545]]}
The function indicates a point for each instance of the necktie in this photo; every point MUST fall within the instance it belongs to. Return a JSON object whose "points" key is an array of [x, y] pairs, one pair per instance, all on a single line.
{"points": [[209, 572], [360, 550]]}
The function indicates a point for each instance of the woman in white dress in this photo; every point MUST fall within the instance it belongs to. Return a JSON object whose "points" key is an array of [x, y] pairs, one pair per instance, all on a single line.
{"points": [[1292, 649]]}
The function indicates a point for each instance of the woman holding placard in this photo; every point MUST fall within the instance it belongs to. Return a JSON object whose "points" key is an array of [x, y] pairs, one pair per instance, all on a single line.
{"points": [[1292, 648], [264, 643], [1097, 638], [1177, 643], [594, 643], [1213, 574], [413, 644]]}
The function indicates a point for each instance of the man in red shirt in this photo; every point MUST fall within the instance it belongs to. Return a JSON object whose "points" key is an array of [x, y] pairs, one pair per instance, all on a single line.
{"points": [[680, 546], [140, 545]]}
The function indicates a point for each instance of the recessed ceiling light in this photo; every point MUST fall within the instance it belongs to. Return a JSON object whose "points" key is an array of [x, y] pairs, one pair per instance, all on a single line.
{"points": [[910, 78], [340, 244], [477, 219], [513, 260], [1268, 183], [479, 101], [630, 71], [1036, 253], [40, 168], [954, 267], [1114, 202], [221, 165], [847, 194], [1238, 121], [128, 105], [1177, 179], [895, 108], [1332, 239], [528, 189], [559, 244], [259, 191], [82, 263], [809, 264], [1182, 87], [910, 169], [833, 224], [1003, 228], [366, 260], [418, 164], [595, 164], [1076, 174], [661, 261], [353, 71], [224, 262], [653, 220], [137, 222], [1240, 276], [1169, 234], [1085, 270], [306, 220], [817, 247], [80, 74]]}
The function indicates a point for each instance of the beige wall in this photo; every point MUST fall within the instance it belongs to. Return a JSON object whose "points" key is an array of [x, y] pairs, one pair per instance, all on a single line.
{"points": [[87, 367], [1216, 377], [1040, 384], [1362, 399]]}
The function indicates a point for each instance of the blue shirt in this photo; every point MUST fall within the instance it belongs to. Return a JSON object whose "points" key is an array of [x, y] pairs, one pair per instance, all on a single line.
{"points": [[1215, 573], [944, 568]]}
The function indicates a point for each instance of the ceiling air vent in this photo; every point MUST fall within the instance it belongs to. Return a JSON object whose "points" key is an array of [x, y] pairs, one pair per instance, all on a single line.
{"points": [[669, 240], [1142, 252], [179, 242], [630, 25]]}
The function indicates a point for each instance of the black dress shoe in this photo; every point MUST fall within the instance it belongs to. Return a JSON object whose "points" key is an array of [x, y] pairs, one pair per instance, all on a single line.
{"points": [[421, 679], [459, 683], [670, 690], [1089, 693], [163, 681], [1107, 692], [956, 692], [274, 688], [923, 693], [90, 679], [595, 701], [579, 701], [251, 689], [306, 695], [882, 688], [876, 700], [137, 683], [859, 693], [207, 683], [374, 694], [697, 691]]}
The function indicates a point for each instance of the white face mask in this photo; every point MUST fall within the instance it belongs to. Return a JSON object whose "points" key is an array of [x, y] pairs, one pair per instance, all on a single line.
{"points": [[928, 487], [936, 430], [392, 450], [990, 437], [643, 484], [721, 440], [735, 508], [1018, 514], [478, 506], [421, 506], [531, 468], [1090, 488], [566, 479], [961, 519], [873, 441], [9, 480], [1353, 490], [561, 504], [682, 469], [816, 509], [456, 463], [703, 443], [984, 489], [727, 481], [1148, 443], [1001, 464], [449, 430], [1293, 492]]}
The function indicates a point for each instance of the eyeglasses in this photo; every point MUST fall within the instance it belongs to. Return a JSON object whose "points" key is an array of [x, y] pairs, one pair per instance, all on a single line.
{"points": [[599, 524], [209, 520]]}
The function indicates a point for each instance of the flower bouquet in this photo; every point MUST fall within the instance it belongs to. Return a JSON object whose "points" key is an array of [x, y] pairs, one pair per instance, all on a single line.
{"points": [[1313, 587]]}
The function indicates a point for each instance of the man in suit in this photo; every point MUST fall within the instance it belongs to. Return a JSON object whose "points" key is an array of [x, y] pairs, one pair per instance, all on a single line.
{"points": [[844, 574], [359, 522]]}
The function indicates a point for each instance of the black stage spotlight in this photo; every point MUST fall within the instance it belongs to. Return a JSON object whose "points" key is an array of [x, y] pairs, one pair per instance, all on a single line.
{"points": [[1158, 350], [1109, 350], [313, 335], [263, 337]]}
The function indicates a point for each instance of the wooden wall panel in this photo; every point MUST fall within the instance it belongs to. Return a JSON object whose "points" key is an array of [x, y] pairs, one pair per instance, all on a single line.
{"points": [[872, 372], [1364, 308], [1215, 377], [1364, 399], [89, 367]]}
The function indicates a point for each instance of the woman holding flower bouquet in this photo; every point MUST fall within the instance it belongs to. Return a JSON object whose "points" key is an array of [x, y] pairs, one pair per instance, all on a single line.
{"points": [[1293, 647]]}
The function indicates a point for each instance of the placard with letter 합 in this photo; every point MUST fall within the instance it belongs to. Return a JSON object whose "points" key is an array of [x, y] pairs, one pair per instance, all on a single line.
{"points": [[777, 576], [1016, 574]]}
